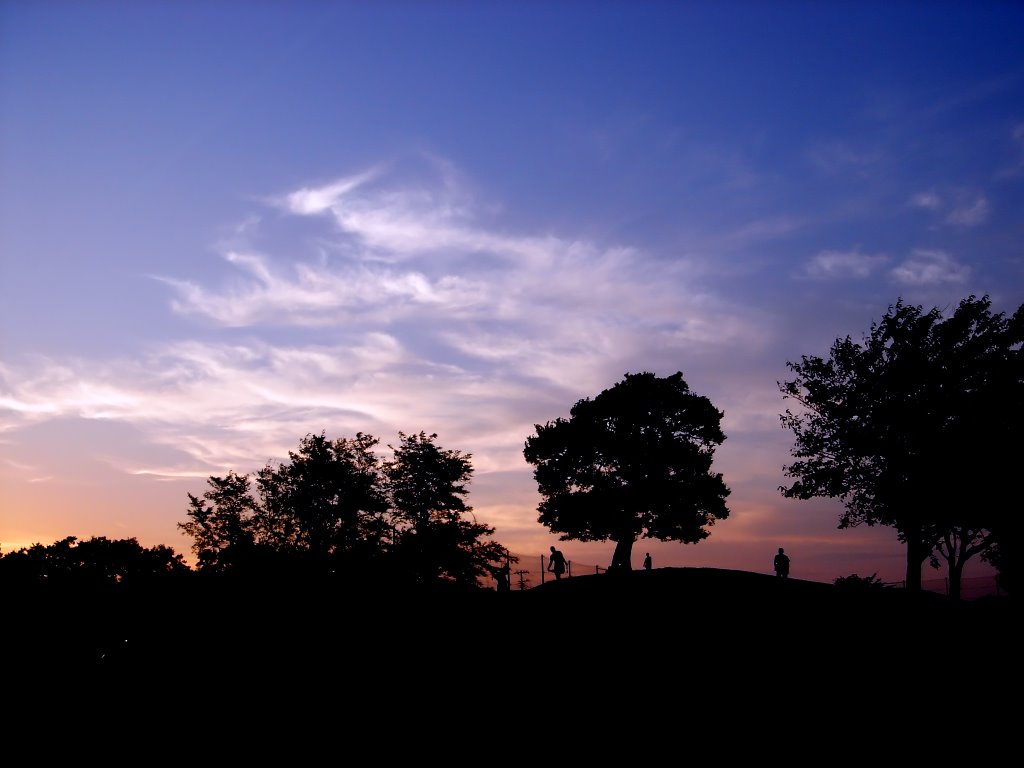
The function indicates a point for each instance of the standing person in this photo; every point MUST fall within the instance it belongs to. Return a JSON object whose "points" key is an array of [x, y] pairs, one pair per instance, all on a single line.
{"points": [[557, 563], [503, 577], [782, 564], [647, 561]]}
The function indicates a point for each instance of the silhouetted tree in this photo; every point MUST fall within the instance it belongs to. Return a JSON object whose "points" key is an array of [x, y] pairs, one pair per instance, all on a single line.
{"points": [[326, 502], [434, 541], [97, 561], [633, 462], [917, 428], [1004, 461], [222, 528], [40, 563], [335, 506], [125, 561], [1004, 554], [319, 511], [859, 584]]}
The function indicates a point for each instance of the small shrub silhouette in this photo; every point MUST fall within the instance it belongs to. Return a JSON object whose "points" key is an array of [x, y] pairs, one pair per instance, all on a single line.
{"points": [[858, 584]]}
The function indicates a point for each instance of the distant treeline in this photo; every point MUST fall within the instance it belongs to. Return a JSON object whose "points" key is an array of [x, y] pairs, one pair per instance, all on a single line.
{"points": [[336, 509]]}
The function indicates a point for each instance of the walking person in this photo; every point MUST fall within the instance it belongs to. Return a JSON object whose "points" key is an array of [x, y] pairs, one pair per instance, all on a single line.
{"points": [[647, 561], [557, 563]]}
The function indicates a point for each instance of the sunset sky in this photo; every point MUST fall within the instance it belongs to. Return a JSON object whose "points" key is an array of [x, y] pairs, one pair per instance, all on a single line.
{"points": [[226, 225]]}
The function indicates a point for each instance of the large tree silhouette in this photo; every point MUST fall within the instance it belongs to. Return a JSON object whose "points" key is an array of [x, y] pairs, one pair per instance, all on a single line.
{"points": [[336, 507], [220, 523], [917, 428], [634, 462], [326, 503], [434, 541]]}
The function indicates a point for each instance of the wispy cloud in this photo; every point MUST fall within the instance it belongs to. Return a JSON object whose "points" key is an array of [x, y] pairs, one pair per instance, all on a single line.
{"points": [[416, 315], [843, 265], [28, 473], [969, 214], [928, 267], [310, 294], [1015, 166], [310, 201], [958, 207], [762, 230], [928, 200], [400, 220]]}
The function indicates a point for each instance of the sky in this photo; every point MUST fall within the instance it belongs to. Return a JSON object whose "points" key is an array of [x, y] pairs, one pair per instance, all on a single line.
{"points": [[225, 226]]}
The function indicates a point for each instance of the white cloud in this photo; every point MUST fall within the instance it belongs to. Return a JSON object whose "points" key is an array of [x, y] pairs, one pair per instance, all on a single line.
{"points": [[969, 214], [417, 316], [768, 228], [490, 296], [928, 200], [319, 295], [308, 202], [962, 207], [840, 265], [928, 267], [28, 473]]}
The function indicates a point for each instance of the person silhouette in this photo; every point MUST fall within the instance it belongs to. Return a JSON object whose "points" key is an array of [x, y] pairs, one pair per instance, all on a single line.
{"points": [[781, 564], [502, 576], [647, 561], [557, 563]]}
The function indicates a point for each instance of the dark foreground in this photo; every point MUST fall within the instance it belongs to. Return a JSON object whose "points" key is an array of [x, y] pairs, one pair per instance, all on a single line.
{"points": [[674, 658], [674, 662], [671, 616]]}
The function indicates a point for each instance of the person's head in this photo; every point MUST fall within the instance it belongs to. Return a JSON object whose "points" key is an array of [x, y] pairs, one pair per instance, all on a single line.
{"points": [[781, 550], [552, 547]]}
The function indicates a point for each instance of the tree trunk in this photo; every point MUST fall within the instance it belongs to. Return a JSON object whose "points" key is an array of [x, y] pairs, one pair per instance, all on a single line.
{"points": [[961, 544], [916, 555], [622, 559], [956, 577]]}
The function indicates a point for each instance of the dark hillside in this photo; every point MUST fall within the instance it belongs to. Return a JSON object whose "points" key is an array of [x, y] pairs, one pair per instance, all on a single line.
{"points": [[660, 603], [668, 621]]}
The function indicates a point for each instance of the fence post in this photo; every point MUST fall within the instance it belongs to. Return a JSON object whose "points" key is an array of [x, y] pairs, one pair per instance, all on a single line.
{"points": [[542, 569]]}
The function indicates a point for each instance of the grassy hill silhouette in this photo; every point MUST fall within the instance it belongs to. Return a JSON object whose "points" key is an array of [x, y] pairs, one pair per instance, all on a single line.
{"points": [[659, 619]]}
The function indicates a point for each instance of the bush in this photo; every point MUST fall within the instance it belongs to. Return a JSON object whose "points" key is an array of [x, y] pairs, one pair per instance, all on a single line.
{"points": [[855, 583]]}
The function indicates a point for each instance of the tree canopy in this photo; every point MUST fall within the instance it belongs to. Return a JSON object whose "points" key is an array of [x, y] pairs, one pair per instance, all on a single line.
{"points": [[633, 462], [97, 561], [337, 507], [917, 428]]}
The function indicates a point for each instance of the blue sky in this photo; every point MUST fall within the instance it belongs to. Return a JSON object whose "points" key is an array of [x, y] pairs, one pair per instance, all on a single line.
{"points": [[226, 225]]}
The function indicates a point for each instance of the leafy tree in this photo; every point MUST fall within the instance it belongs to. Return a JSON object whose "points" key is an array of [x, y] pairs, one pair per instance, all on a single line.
{"points": [[319, 510], [435, 543], [222, 529], [634, 462], [41, 563], [126, 561], [335, 506], [914, 429], [1004, 555], [326, 502], [97, 561], [1006, 411]]}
